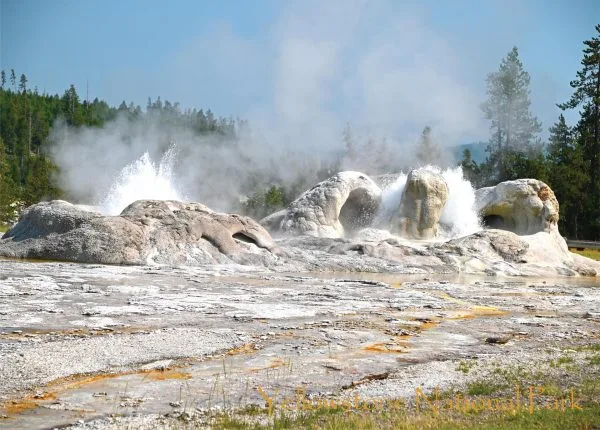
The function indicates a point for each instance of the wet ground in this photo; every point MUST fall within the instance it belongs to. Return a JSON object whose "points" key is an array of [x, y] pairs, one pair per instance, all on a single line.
{"points": [[79, 342]]}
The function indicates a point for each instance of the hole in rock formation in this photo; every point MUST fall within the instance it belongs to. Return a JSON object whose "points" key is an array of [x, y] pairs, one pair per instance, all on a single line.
{"points": [[243, 238], [358, 210], [494, 221], [525, 206]]}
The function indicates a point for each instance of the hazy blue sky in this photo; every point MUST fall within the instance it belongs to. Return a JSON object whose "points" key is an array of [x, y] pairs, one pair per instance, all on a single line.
{"points": [[392, 65]]}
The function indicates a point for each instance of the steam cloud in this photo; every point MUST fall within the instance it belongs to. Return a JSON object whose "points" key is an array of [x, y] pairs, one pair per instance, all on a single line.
{"points": [[323, 70]]}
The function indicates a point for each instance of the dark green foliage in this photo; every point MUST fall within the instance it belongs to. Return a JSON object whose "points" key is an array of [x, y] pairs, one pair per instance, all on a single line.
{"points": [[586, 95], [567, 177], [265, 202]]}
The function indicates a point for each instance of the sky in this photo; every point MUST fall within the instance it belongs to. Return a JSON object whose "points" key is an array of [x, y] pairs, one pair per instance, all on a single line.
{"points": [[390, 66]]}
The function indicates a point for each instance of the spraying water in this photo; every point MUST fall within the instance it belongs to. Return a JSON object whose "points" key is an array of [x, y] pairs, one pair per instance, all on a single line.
{"points": [[142, 179], [459, 217], [390, 201]]}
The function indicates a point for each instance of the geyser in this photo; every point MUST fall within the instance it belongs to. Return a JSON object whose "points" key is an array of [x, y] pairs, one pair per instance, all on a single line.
{"points": [[142, 180], [459, 216]]}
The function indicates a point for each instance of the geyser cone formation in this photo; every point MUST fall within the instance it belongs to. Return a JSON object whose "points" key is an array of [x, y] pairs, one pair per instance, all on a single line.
{"points": [[425, 204], [344, 203], [423, 199], [341, 223]]}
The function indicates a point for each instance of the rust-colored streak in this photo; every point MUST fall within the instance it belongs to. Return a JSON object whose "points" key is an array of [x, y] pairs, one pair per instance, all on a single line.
{"points": [[274, 364], [30, 402], [247, 348], [387, 348], [428, 325]]}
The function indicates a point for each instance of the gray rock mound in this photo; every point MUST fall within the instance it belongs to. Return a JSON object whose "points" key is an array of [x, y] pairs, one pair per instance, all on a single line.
{"points": [[346, 202], [523, 206], [146, 232], [424, 196]]}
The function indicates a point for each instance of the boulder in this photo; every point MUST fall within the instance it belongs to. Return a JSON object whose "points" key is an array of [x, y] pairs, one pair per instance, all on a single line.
{"points": [[423, 198], [342, 204], [146, 232], [523, 206]]}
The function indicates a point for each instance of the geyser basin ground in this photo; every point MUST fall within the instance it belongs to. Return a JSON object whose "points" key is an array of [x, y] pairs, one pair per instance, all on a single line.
{"points": [[135, 347]]}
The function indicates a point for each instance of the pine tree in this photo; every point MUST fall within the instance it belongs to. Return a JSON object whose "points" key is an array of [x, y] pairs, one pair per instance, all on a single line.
{"points": [[2, 79], [513, 127], [428, 151], [23, 83], [13, 79], [349, 143], [587, 95], [71, 106], [469, 166], [210, 120], [560, 142], [567, 176]]}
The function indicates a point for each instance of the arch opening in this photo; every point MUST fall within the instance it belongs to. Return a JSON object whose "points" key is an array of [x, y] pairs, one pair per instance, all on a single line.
{"points": [[494, 221], [243, 238], [358, 210]]}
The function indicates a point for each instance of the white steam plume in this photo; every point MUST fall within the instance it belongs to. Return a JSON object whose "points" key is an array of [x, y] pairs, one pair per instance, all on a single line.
{"points": [[314, 73]]}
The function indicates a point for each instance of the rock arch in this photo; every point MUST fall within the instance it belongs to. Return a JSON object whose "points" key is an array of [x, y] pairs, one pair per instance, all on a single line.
{"points": [[346, 202]]}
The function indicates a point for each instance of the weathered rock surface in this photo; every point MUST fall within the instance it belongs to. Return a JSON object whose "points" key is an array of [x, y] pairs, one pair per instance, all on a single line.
{"points": [[147, 231], [343, 203], [523, 206], [423, 199], [83, 343]]}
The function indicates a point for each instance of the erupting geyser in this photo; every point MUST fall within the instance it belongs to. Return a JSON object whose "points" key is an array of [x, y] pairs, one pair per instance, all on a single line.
{"points": [[142, 180]]}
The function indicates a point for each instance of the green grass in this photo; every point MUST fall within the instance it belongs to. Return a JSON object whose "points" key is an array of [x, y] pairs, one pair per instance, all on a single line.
{"points": [[483, 388], [562, 361], [465, 366], [591, 347], [594, 254], [594, 360]]}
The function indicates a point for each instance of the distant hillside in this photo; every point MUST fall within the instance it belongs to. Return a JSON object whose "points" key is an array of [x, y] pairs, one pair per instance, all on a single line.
{"points": [[477, 151]]}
